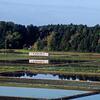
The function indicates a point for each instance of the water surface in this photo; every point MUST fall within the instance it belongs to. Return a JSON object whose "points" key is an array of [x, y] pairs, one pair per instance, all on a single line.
{"points": [[30, 75], [37, 92]]}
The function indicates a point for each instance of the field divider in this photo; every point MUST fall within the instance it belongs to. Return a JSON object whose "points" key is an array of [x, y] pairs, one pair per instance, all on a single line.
{"points": [[92, 86]]}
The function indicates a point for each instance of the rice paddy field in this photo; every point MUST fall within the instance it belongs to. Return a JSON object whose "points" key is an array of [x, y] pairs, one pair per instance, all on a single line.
{"points": [[67, 64], [59, 62]]}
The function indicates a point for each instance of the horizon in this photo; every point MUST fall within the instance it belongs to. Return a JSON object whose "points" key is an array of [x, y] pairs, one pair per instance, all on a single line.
{"points": [[48, 24], [51, 12]]}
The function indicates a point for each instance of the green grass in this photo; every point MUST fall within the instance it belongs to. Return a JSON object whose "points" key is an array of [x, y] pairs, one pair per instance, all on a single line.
{"points": [[43, 86], [60, 70], [23, 54], [12, 56]]}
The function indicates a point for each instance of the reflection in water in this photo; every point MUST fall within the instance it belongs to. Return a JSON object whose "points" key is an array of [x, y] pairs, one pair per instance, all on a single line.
{"points": [[50, 76]]}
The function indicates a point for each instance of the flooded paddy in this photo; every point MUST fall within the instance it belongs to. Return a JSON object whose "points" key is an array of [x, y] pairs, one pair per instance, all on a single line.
{"points": [[30, 75], [45, 94], [37, 92]]}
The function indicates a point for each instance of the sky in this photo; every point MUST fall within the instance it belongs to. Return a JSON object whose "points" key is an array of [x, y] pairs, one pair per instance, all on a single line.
{"points": [[43, 12]]}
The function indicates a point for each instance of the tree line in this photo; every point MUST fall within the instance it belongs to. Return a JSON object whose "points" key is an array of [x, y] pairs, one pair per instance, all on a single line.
{"points": [[80, 38]]}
